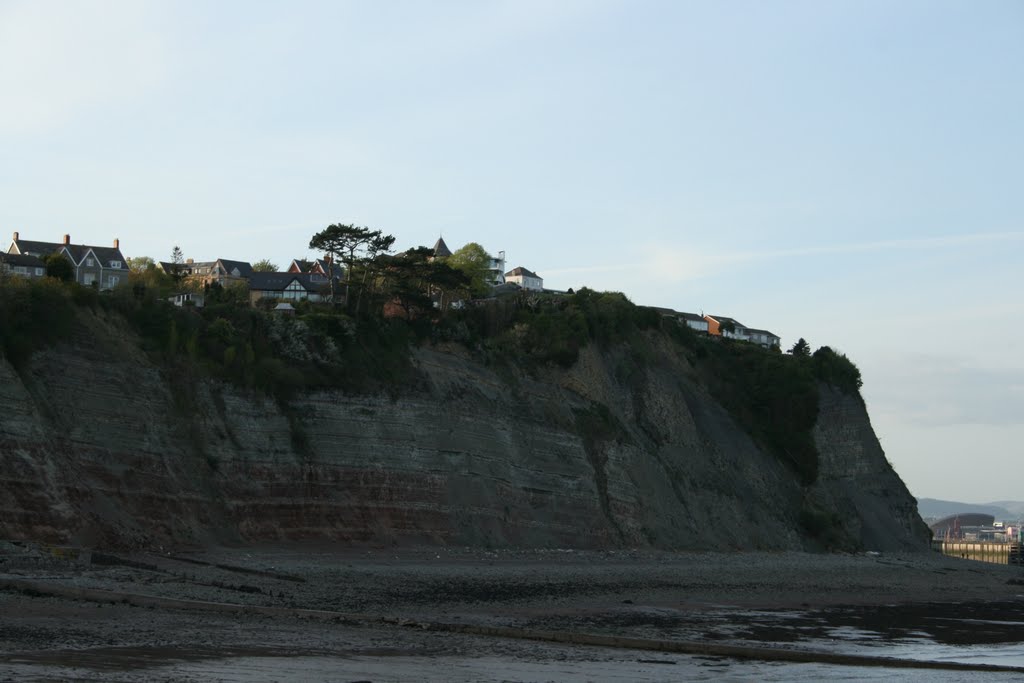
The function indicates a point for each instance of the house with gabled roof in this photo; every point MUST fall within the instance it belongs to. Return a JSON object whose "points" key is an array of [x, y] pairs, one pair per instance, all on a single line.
{"points": [[222, 271], [730, 328], [526, 279], [102, 267], [691, 320], [764, 338], [318, 268], [23, 265], [724, 326], [285, 286]]}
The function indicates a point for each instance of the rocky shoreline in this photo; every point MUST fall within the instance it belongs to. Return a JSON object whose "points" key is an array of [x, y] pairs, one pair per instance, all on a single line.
{"points": [[372, 600]]}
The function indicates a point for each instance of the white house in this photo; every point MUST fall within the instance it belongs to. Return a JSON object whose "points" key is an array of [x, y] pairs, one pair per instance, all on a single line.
{"points": [[764, 338], [496, 270], [526, 279], [693, 321], [188, 299], [730, 328]]}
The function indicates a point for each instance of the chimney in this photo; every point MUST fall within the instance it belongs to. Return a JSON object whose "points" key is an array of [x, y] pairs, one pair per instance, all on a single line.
{"points": [[67, 239], [15, 236], [327, 258], [117, 243], [189, 261]]}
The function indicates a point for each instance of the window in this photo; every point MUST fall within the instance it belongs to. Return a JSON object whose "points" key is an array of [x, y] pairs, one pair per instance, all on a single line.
{"points": [[40, 271], [113, 280], [89, 262], [90, 278], [21, 270], [115, 264], [294, 291]]}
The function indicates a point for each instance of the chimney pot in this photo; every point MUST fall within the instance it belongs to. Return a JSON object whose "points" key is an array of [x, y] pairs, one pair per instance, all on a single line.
{"points": [[15, 236], [67, 239], [117, 243]]}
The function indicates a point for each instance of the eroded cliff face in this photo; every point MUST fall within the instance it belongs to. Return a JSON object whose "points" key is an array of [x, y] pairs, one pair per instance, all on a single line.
{"points": [[100, 446]]}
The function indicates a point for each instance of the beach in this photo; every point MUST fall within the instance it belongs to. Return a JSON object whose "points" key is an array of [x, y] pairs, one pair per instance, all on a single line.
{"points": [[320, 612]]}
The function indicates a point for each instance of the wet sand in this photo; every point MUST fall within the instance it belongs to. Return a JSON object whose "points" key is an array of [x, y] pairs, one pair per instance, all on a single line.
{"points": [[916, 606]]}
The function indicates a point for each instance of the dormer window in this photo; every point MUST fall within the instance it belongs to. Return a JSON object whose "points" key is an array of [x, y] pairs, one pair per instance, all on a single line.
{"points": [[115, 264]]}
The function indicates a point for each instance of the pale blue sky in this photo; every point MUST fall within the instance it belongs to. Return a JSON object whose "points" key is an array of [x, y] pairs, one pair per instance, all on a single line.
{"points": [[850, 172]]}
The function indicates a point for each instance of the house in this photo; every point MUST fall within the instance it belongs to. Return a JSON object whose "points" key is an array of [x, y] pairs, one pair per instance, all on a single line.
{"points": [[496, 270], [720, 325], [526, 279], [764, 338], [188, 299], [729, 328], [287, 286], [222, 271], [317, 268], [23, 265], [102, 267], [691, 320]]}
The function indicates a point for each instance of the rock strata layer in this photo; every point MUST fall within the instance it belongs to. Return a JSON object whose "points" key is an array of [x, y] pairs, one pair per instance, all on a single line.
{"points": [[99, 446]]}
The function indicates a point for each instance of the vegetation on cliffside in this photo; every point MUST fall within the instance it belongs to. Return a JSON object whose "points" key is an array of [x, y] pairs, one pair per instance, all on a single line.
{"points": [[773, 396]]}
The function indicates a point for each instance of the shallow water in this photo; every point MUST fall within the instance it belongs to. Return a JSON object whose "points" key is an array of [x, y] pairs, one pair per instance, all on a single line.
{"points": [[598, 665]]}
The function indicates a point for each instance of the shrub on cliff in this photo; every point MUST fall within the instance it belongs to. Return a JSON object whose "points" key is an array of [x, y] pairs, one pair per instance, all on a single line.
{"points": [[552, 328], [836, 369], [33, 313], [774, 397]]}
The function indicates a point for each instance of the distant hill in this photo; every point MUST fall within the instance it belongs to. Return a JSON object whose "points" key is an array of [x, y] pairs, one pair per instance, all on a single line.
{"points": [[1002, 510], [1015, 507]]}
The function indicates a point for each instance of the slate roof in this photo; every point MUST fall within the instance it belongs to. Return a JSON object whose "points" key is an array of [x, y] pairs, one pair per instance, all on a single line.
{"points": [[277, 282], [664, 311], [441, 249], [184, 269], [244, 267], [522, 272], [723, 320], [691, 316], [22, 260], [306, 266], [105, 255], [764, 332], [336, 269], [35, 248]]}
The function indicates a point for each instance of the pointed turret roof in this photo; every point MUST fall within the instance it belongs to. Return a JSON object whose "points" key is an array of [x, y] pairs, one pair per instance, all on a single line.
{"points": [[441, 249]]}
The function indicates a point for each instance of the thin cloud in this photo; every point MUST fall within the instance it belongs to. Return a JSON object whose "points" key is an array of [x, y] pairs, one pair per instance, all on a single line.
{"points": [[672, 264], [885, 245]]}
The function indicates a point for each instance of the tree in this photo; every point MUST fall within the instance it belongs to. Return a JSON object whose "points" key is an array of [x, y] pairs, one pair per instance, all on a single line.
{"points": [[448, 282], [728, 327], [177, 264], [475, 262], [801, 349], [57, 266], [264, 266], [344, 243], [341, 242], [379, 245], [140, 264]]}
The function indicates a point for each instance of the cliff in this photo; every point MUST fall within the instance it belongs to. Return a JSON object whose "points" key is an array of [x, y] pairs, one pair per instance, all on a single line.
{"points": [[99, 445]]}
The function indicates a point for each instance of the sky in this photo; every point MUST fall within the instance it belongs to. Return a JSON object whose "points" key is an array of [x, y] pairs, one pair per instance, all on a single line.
{"points": [[850, 172]]}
